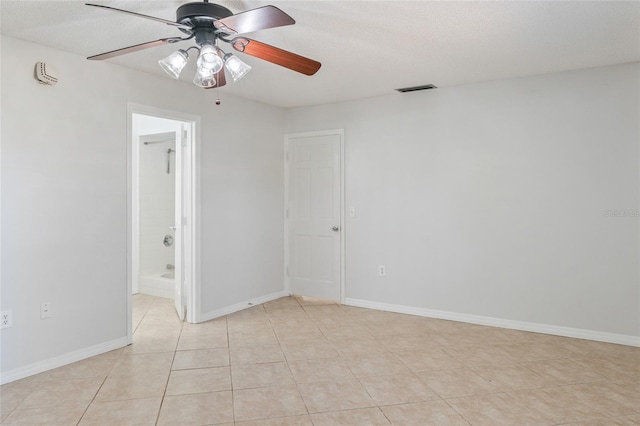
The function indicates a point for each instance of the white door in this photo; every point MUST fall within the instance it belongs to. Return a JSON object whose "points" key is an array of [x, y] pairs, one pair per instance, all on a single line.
{"points": [[179, 224], [314, 214]]}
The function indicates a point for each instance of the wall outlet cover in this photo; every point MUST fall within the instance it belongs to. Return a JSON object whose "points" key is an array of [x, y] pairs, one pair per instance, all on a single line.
{"points": [[6, 319]]}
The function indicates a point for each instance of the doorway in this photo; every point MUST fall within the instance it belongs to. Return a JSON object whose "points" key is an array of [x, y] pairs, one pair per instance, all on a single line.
{"points": [[314, 206], [163, 188]]}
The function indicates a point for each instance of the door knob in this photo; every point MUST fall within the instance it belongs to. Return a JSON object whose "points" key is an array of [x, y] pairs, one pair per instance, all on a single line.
{"points": [[335, 228]]}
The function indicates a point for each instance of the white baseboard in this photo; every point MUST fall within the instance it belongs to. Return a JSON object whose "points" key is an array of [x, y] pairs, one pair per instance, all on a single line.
{"points": [[555, 330], [242, 305], [59, 361]]}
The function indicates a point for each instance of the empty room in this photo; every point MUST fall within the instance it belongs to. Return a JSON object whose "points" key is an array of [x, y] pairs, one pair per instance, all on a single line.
{"points": [[320, 213]]}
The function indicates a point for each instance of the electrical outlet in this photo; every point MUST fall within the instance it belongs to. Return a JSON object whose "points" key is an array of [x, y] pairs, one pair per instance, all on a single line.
{"points": [[382, 270], [44, 311], [7, 319]]}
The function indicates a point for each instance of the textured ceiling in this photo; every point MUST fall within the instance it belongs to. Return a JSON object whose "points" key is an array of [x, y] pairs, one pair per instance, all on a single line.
{"points": [[367, 48]]}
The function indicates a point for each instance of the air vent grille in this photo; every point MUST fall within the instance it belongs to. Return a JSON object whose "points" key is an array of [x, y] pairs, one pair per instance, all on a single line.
{"points": [[416, 88]]}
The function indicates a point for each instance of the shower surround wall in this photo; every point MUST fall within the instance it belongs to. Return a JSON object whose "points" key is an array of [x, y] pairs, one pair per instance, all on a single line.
{"points": [[157, 215], [156, 198]]}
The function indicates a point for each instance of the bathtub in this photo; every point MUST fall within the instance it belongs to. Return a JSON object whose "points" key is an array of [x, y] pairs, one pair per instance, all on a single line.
{"points": [[161, 285]]}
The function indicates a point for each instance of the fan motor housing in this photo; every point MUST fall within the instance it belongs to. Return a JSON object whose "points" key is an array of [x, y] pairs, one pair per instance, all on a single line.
{"points": [[201, 14]]}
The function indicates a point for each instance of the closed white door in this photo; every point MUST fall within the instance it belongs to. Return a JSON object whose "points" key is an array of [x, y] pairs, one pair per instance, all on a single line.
{"points": [[314, 214]]}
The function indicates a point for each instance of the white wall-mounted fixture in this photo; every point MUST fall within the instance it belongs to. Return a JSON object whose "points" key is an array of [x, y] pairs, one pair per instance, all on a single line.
{"points": [[6, 319], [46, 74]]}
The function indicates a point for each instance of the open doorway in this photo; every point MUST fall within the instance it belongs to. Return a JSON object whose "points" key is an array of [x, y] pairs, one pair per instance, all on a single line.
{"points": [[162, 210]]}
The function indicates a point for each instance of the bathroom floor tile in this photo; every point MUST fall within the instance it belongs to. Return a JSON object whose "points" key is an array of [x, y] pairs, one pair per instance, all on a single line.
{"points": [[457, 383], [308, 349], [430, 360], [430, 413], [498, 409], [129, 412], [315, 370], [200, 380], [366, 365], [261, 375], [61, 392], [564, 371], [200, 358], [202, 409], [359, 417], [256, 354], [303, 420], [512, 377], [397, 389], [138, 385], [59, 415], [156, 363], [12, 394], [331, 396], [264, 403], [94, 367], [205, 340]]}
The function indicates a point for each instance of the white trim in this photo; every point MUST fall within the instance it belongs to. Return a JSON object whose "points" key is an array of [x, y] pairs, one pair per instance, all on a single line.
{"points": [[556, 330], [61, 360], [242, 305], [343, 231], [343, 222], [287, 250]]}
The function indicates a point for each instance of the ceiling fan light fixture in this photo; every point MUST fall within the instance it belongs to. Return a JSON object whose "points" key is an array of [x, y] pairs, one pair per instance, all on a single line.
{"points": [[236, 67], [207, 23], [205, 79], [174, 63], [209, 59]]}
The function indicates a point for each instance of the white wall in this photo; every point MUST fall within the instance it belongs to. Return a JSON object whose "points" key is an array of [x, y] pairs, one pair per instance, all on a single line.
{"points": [[64, 200], [490, 199]]}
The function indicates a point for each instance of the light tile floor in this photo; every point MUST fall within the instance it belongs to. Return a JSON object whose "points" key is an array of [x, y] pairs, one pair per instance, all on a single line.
{"points": [[298, 361]]}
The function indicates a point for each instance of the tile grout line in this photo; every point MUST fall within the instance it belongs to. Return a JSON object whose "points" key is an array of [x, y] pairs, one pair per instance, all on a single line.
{"points": [[288, 365]]}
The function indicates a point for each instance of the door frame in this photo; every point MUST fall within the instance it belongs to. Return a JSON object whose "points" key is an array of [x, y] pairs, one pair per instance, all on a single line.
{"points": [[192, 260], [287, 221]]}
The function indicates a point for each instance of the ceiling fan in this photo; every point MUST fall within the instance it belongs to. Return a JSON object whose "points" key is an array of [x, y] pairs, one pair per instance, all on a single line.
{"points": [[207, 23]]}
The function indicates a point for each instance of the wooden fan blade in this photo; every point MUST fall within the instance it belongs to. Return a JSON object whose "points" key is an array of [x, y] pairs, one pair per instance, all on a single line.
{"points": [[132, 49], [140, 15], [221, 80], [254, 20], [276, 56]]}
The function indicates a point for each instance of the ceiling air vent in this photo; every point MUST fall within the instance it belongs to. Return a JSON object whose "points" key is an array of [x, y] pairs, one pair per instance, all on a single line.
{"points": [[416, 88]]}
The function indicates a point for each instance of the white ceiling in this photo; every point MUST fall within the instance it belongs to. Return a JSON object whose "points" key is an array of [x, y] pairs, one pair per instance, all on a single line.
{"points": [[367, 48]]}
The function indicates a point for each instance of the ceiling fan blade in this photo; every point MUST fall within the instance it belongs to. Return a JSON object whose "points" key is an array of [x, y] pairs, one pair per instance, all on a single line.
{"points": [[276, 56], [134, 48], [221, 80], [140, 15], [260, 18]]}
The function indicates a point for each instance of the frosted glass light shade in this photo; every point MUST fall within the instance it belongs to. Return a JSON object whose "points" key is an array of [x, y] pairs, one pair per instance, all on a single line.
{"points": [[174, 63], [204, 79], [209, 59], [235, 66]]}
